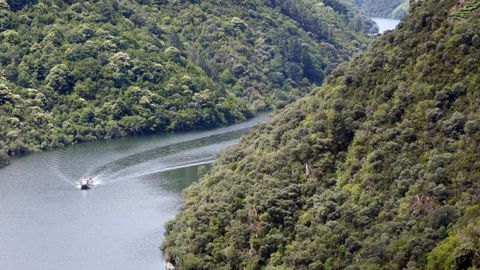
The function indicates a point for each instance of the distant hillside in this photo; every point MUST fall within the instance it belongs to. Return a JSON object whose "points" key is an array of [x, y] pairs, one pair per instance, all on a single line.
{"points": [[379, 169], [73, 71], [393, 9]]}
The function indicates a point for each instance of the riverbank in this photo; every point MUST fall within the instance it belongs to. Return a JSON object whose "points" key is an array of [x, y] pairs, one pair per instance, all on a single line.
{"points": [[6, 159]]}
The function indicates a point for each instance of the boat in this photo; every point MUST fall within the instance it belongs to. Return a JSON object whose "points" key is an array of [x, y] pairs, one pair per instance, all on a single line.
{"points": [[86, 182]]}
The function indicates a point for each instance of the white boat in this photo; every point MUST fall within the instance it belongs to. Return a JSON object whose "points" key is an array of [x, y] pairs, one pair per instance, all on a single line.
{"points": [[86, 182]]}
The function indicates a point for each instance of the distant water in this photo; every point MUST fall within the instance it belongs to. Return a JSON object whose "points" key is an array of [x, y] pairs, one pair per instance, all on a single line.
{"points": [[47, 222], [385, 24]]}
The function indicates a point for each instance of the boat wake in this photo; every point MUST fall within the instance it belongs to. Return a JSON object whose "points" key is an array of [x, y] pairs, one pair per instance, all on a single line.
{"points": [[104, 179], [112, 161], [127, 164]]}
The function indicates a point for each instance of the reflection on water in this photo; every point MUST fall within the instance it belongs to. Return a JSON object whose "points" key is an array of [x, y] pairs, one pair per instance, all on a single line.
{"points": [[385, 24], [176, 180], [47, 223]]}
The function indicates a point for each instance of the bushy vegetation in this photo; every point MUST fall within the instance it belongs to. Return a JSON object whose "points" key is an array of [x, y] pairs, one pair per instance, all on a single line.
{"points": [[74, 71], [379, 169], [463, 9], [394, 9]]}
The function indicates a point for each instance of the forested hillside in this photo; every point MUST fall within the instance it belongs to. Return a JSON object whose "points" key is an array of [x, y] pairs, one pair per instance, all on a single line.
{"points": [[394, 9], [379, 169], [73, 71]]}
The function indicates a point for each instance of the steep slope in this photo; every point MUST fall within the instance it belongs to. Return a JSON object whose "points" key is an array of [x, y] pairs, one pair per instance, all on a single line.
{"points": [[249, 51], [75, 71], [379, 169], [394, 9]]}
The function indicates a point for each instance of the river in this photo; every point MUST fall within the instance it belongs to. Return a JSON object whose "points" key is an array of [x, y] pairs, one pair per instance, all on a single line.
{"points": [[385, 24], [47, 222]]}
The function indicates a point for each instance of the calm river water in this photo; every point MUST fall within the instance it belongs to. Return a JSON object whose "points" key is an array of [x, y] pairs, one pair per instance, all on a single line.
{"points": [[46, 222], [385, 24]]}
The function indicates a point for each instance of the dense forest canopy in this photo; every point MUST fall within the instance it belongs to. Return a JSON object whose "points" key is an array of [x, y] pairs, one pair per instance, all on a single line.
{"points": [[73, 71], [379, 169], [394, 9]]}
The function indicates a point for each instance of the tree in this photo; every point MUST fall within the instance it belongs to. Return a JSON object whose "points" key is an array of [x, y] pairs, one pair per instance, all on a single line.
{"points": [[60, 79], [18, 4]]}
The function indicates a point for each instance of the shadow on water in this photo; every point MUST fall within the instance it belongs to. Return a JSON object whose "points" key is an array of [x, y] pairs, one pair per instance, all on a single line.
{"points": [[176, 180]]}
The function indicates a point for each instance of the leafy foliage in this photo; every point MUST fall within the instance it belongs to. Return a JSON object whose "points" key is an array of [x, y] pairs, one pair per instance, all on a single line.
{"points": [[460, 249], [394, 9], [463, 9], [74, 71], [378, 169]]}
